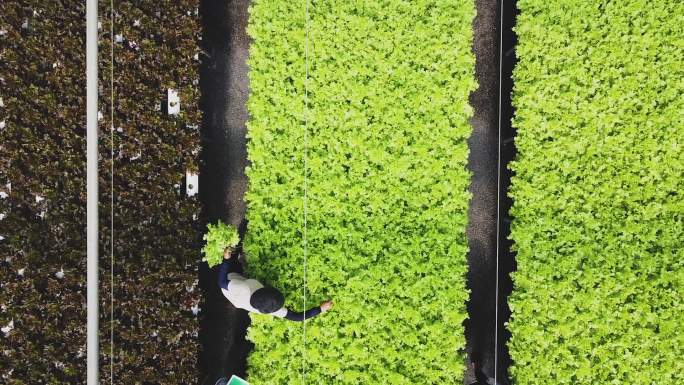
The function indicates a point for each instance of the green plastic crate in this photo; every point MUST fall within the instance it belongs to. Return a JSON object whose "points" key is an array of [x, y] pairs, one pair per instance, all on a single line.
{"points": [[235, 380]]}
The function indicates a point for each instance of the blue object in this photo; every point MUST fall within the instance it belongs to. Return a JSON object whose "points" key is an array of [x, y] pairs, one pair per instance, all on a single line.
{"points": [[223, 274]]}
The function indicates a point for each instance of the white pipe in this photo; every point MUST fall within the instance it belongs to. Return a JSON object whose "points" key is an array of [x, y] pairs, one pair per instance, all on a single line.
{"points": [[92, 192]]}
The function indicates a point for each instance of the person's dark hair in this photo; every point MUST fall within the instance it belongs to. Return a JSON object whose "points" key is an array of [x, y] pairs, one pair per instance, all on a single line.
{"points": [[267, 299]]}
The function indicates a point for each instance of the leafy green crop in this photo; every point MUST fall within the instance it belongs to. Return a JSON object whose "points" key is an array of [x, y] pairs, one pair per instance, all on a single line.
{"points": [[387, 188], [156, 231], [599, 215], [42, 154], [217, 238]]}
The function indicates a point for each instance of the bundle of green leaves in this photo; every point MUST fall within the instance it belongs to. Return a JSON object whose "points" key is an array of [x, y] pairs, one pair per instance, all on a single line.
{"points": [[599, 215], [387, 188], [156, 229], [217, 238], [42, 192]]}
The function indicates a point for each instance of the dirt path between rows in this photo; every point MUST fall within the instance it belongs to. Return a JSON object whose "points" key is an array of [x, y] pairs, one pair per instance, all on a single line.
{"points": [[224, 87], [480, 327]]}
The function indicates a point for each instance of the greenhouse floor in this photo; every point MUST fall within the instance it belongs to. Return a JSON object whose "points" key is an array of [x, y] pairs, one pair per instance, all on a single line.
{"points": [[224, 86], [482, 214]]}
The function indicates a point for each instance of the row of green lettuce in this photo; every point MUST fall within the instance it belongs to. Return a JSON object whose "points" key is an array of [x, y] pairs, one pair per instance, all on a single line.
{"points": [[42, 193], [156, 229], [599, 214], [386, 114]]}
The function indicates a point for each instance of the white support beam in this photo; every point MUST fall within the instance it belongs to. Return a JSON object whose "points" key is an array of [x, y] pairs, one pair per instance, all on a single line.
{"points": [[92, 193]]}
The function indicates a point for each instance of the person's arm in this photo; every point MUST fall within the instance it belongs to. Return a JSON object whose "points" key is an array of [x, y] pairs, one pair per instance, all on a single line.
{"points": [[223, 274], [301, 316], [223, 270]]}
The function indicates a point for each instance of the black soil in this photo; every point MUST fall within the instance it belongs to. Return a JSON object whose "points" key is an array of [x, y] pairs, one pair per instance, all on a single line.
{"points": [[482, 218], [224, 86], [507, 262], [482, 327]]}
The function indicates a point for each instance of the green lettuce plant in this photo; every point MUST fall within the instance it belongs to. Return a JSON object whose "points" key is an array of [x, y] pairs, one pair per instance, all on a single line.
{"points": [[152, 152], [387, 188], [598, 215], [217, 238], [42, 137]]}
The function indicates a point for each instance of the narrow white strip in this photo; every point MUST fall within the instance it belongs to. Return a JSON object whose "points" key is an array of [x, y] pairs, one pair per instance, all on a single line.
{"points": [[306, 176], [111, 223], [92, 193], [498, 202]]}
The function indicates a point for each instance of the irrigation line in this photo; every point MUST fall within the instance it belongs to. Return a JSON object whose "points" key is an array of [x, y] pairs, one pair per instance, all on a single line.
{"points": [[498, 201], [92, 345], [111, 224], [306, 143]]}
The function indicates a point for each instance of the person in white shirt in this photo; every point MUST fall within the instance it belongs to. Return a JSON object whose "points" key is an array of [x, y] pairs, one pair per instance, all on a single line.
{"points": [[253, 296]]}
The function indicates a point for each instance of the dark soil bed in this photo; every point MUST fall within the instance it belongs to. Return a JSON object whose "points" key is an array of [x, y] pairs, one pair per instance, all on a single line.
{"points": [[224, 87], [483, 329], [482, 162], [506, 257]]}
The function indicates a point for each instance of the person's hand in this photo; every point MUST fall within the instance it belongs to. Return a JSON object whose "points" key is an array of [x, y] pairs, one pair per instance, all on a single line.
{"points": [[226, 253], [325, 306]]}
